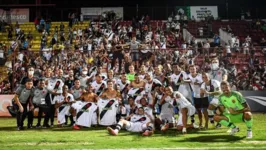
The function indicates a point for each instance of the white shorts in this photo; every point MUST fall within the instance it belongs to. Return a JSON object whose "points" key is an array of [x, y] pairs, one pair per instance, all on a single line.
{"points": [[168, 117], [191, 111], [215, 102], [136, 127]]}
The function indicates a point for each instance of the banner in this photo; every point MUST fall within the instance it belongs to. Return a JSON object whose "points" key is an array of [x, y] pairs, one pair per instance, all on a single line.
{"points": [[20, 15], [225, 37], [91, 13], [5, 100], [119, 11], [183, 10], [94, 12], [200, 12], [256, 100]]}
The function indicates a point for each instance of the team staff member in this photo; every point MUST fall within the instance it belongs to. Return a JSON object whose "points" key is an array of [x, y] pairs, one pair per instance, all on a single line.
{"points": [[38, 101], [234, 109], [22, 99], [34, 79]]}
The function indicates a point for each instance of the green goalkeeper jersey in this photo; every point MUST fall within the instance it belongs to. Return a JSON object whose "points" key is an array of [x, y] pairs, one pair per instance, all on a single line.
{"points": [[235, 101]]}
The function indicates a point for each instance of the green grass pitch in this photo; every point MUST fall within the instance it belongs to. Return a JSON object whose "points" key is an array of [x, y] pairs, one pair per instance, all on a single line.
{"points": [[98, 138]]}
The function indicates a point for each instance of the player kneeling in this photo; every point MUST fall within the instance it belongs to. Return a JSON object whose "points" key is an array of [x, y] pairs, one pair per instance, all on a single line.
{"points": [[62, 104], [234, 109], [186, 109], [138, 123], [85, 112]]}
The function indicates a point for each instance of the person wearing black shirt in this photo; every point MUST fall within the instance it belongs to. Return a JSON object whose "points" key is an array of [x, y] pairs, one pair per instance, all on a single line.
{"points": [[70, 79], [117, 54], [30, 76]]}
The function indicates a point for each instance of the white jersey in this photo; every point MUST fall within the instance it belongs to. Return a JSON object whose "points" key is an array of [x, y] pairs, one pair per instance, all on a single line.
{"points": [[195, 88], [168, 106], [140, 118], [217, 74], [84, 80], [85, 116], [149, 87], [163, 45], [130, 110], [63, 110], [137, 94], [148, 110], [107, 110], [142, 76], [158, 97], [122, 86], [214, 86], [93, 71], [98, 87], [55, 84], [137, 123], [181, 102], [182, 88], [167, 110]]}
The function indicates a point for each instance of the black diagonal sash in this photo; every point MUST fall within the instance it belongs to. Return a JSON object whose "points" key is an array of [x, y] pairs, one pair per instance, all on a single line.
{"points": [[155, 84], [141, 119], [137, 93], [179, 81], [100, 89], [64, 104], [57, 85], [83, 109], [211, 86], [62, 107], [124, 88], [106, 108]]}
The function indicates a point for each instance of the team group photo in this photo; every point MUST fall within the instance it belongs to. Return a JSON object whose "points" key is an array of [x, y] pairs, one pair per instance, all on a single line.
{"points": [[87, 75]]}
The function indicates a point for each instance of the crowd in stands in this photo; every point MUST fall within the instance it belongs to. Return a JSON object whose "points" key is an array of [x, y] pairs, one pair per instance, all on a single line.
{"points": [[115, 45]]}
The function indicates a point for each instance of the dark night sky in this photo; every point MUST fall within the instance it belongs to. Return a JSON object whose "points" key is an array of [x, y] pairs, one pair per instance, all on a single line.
{"points": [[159, 9]]}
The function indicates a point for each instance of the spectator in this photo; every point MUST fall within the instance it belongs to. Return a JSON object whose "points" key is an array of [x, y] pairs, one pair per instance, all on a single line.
{"points": [[216, 40], [246, 47], [42, 24], [48, 26], [228, 50]]}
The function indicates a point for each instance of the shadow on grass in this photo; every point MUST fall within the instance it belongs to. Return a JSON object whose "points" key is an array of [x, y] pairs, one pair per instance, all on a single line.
{"points": [[8, 128], [211, 138]]}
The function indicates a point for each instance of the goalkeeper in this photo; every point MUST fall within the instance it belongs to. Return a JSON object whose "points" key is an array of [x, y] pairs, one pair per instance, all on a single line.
{"points": [[234, 109]]}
